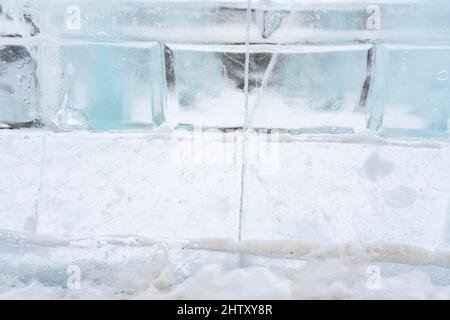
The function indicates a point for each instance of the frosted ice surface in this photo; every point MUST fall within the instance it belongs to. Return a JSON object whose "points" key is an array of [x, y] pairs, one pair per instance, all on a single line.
{"points": [[339, 193], [116, 184], [20, 174]]}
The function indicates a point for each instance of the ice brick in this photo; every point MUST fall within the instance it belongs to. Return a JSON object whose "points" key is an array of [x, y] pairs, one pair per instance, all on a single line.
{"points": [[105, 86], [411, 91], [205, 85], [19, 97], [21, 156], [292, 21], [114, 184], [287, 21], [330, 193], [198, 20], [309, 88]]}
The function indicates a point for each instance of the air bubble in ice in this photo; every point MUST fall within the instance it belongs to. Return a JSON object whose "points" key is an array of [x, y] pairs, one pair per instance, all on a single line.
{"points": [[443, 75], [401, 197]]}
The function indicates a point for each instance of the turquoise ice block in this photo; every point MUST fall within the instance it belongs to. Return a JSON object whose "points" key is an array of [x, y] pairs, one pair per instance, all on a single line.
{"points": [[411, 91], [110, 86]]}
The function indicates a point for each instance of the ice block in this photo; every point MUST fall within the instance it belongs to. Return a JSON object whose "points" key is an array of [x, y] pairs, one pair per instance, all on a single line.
{"points": [[313, 66], [411, 93], [310, 88], [282, 21], [19, 84], [205, 85], [192, 20], [105, 86]]}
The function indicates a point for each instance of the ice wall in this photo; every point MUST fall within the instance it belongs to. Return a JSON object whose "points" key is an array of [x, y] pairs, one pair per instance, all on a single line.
{"points": [[323, 68], [314, 66]]}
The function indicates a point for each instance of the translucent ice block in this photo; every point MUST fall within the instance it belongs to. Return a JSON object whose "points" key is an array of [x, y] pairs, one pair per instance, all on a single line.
{"points": [[284, 21], [309, 88], [411, 93], [18, 84], [205, 85], [18, 66], [105, 86], [174, 20], [313, 64]]}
